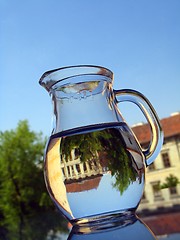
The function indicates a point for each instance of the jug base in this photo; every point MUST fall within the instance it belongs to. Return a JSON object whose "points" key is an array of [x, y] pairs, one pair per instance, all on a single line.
{"points": [[101, 221]]}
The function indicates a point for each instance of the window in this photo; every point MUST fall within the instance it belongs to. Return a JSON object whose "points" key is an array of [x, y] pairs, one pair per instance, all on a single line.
{"points": [[157, 191], [144, 196], [84, 166], [76, 153], [151, 167], [173, 191], [63, 171], [78, 168], [144, 199], [166, 160]]}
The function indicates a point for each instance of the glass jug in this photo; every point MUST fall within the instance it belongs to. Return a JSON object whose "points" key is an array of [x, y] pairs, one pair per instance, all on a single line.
{"points": [[94, 165]]}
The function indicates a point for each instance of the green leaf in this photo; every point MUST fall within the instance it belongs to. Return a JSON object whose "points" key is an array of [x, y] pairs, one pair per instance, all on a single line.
{"points": [[24, 202]]}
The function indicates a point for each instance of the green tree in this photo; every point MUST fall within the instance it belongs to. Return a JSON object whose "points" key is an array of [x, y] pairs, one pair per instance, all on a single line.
{"points": [[26, 211], [171, 181]]}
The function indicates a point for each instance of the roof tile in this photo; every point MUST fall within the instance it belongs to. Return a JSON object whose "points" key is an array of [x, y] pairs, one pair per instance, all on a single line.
{"points": [[170, 127]]}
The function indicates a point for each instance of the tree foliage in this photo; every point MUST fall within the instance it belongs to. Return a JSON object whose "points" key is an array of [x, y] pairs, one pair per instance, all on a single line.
{"points": [[171, 181], [26, 211], [90, 146]]}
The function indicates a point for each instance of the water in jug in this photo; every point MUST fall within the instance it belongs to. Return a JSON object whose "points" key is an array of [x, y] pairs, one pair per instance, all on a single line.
{"points": [[94, 166]]}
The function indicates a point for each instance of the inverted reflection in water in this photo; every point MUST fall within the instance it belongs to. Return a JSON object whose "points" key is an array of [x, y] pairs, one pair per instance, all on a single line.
{"points": [[94, 171]]}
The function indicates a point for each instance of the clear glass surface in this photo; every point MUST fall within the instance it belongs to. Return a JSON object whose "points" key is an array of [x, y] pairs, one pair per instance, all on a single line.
{"points": [[93, 171], [123, 229], [94, 165]]}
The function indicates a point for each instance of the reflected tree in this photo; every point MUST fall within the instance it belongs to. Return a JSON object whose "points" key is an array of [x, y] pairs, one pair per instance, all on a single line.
{"points": [[120, 161], [109, 143]]}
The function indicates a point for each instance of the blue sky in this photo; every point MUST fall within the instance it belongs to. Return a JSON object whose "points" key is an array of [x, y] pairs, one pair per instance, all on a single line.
{"points": [[138, 40]]}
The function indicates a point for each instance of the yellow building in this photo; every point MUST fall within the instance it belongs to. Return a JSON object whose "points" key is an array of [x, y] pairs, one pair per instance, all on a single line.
{"points": [[157, 195]]}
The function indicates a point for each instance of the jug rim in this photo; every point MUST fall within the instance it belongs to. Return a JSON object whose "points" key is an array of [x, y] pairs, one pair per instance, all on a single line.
{"points": [[51, 77]]}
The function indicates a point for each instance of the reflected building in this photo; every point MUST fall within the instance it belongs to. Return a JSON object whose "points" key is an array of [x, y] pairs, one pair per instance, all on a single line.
{"points": [[103, 165], [81, 175], [167, 164], [73, 168]]}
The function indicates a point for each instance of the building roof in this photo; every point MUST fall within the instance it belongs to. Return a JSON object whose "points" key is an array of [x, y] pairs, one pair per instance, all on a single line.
{"points": [[170, 127], [84, 184]]}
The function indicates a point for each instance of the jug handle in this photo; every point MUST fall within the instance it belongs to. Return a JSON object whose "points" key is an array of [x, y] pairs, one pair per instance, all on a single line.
{"points": [[150, 114]]}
